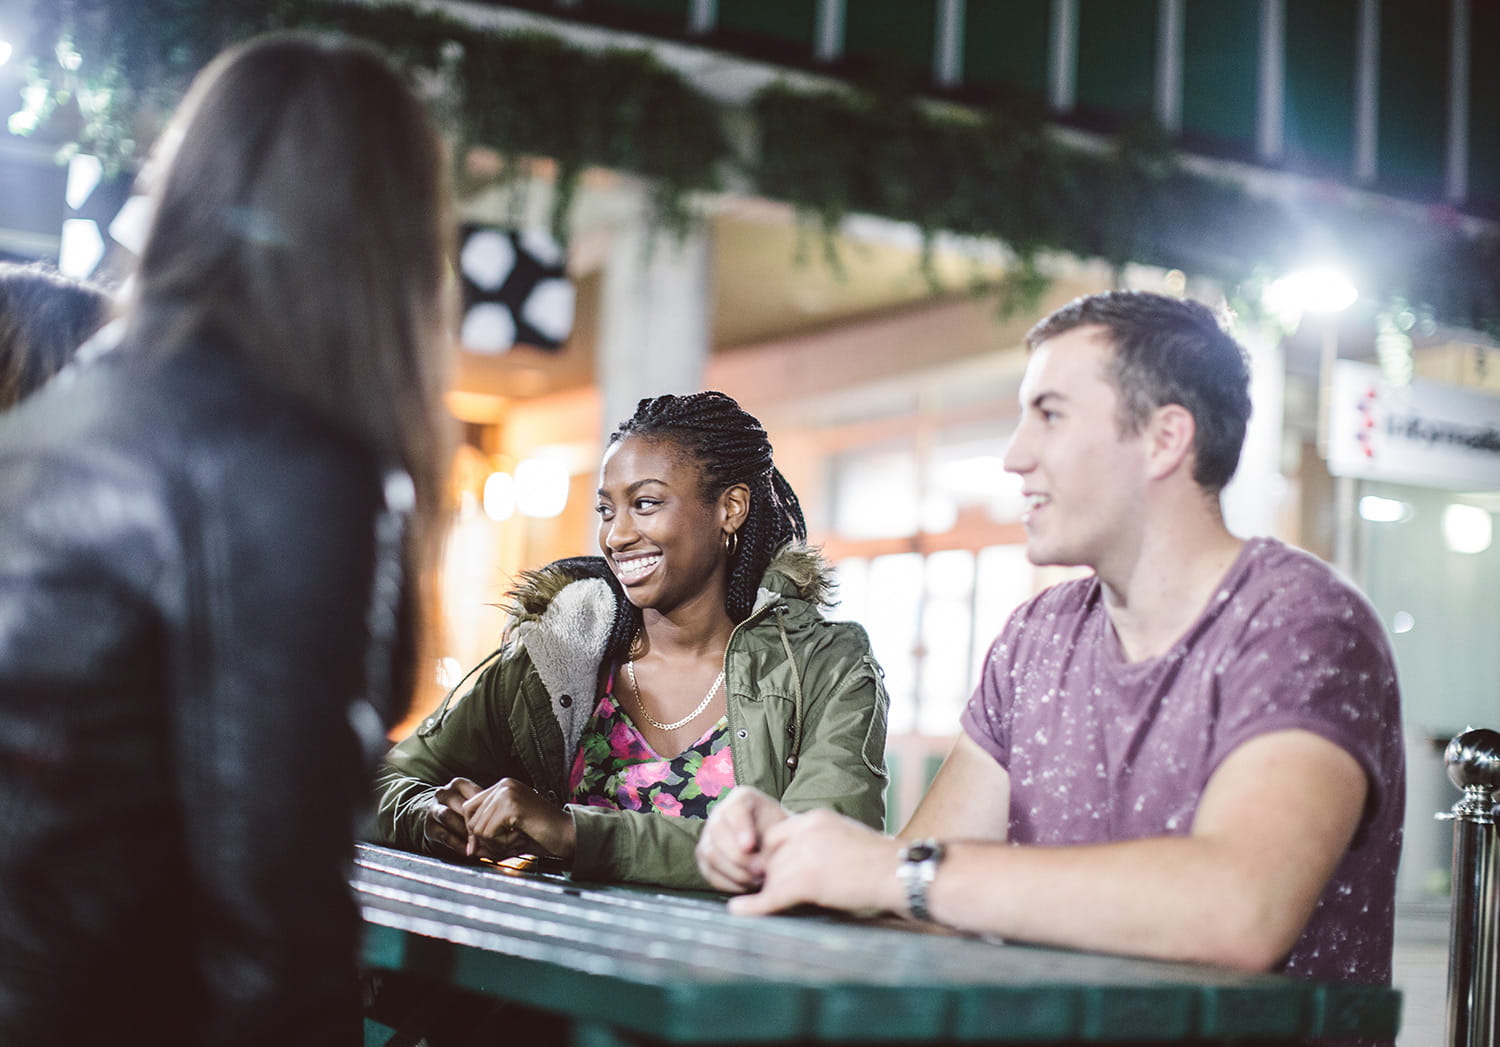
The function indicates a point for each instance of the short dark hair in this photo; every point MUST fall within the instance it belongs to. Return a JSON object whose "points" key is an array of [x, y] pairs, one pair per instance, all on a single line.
{"points": [[44, 317], [729, 446], [1169, 351]]}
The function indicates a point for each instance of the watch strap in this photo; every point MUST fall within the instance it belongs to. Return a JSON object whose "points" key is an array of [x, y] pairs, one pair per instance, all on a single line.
{"points": [[919, 864]]}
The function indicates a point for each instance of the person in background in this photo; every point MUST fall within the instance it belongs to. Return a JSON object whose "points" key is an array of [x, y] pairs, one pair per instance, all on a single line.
{"points": [[44, 317], [209, 536], [634, 689], [1193, 754]]}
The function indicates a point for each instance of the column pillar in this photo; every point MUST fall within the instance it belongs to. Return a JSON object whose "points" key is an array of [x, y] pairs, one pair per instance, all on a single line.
{"points": [[1254, 499], [654, 323]]}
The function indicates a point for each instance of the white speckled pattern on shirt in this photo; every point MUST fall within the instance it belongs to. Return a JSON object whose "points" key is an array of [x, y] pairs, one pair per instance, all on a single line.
{"points": [[1100, 749]]}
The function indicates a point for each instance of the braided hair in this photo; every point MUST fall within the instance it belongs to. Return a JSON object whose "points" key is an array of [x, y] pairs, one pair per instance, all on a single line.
{"points": [[729, 447]]}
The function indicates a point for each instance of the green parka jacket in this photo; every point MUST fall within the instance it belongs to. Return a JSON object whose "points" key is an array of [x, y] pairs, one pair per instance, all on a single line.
{"points": [[806, 706]]}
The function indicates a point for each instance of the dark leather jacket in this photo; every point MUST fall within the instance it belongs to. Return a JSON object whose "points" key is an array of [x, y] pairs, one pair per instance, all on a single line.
{"points": [[186, 566]]}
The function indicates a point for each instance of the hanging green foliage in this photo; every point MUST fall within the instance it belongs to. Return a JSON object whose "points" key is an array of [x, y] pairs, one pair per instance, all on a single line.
{"points": [[1001, 176], [523, 94], [108, 70]]}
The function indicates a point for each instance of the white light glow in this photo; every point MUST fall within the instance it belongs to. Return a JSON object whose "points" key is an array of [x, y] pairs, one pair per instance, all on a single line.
{"points": [[1402, 622], [130, 226], [5, 51], [863, 507], [980, 476], [543, 246], [487, 258], [541, 487], [29, 117], [1383, 510], [488, 328], [84, 172], [1467, 528], [937, 513], [499, 496], [448, 672], [1317, 289], [549, 308], [82, 248]]}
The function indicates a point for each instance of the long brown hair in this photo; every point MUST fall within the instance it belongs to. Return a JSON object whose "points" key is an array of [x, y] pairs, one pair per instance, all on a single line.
{"points": [[300, 220]]}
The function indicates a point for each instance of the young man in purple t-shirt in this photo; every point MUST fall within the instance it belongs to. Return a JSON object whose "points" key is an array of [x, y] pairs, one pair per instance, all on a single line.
{"points": [[1198, 748]]}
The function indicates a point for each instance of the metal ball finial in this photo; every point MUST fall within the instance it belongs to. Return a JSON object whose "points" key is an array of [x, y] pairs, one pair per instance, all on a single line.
{"points": [[1473, 759]]}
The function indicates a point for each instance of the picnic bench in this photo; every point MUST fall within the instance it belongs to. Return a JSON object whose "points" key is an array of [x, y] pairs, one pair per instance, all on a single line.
{"points": [[603, 965]]}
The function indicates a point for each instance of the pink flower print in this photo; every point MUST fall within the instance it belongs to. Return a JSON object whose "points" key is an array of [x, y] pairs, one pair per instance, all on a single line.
{"points": [[623, 742], [643, 775], [666, 803], [717, 772], [575, 776]]}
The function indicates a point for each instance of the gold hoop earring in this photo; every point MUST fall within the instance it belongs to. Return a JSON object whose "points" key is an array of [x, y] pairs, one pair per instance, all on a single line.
{"points": [[731, 543]]}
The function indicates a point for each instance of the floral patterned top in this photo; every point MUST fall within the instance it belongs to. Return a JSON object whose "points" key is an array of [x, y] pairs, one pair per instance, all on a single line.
{"points": [[616, 767]]}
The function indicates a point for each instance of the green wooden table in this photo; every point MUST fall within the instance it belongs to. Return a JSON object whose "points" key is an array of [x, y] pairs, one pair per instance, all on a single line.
{"points": [[624, 965]]}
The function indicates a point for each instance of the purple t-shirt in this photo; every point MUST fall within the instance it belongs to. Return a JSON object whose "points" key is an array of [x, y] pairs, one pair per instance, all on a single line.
{"points": [[1100, 749]]}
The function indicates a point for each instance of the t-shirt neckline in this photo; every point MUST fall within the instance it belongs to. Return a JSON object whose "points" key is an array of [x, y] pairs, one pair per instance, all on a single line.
{"points": [[1115, 651]]}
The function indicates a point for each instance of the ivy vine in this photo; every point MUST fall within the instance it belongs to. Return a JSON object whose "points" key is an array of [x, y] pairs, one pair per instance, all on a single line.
{"points": [[106, 71], [111, 69]]}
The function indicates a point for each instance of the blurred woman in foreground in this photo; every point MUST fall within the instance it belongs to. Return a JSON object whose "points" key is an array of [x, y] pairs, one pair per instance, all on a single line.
{"points": [[207, 537]]}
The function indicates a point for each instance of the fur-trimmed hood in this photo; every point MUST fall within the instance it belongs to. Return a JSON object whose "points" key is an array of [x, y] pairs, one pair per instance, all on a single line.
{"points": [[799, 571]]}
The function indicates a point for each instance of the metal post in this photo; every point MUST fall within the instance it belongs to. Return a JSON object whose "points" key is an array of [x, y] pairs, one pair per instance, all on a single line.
{"points": [[1473, 760]]}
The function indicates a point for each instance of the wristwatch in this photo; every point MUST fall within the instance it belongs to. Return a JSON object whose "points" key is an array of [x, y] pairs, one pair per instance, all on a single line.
{"points": [[919, 865]]}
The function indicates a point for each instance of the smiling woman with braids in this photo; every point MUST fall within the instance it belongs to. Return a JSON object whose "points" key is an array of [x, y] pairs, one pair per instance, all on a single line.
{"points": [[637, 688]]}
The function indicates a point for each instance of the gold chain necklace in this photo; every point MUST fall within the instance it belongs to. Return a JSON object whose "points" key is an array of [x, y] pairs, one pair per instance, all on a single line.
{"points": [[689, 718]]}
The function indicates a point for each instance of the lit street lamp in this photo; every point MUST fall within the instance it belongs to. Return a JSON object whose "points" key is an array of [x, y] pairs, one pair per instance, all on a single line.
{"points": [[1323, 290]]}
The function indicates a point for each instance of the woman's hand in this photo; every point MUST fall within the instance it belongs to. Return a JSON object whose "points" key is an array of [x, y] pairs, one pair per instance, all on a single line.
{"points": [[445, 827], [730, 849], [823, 858], [509, 819]]}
